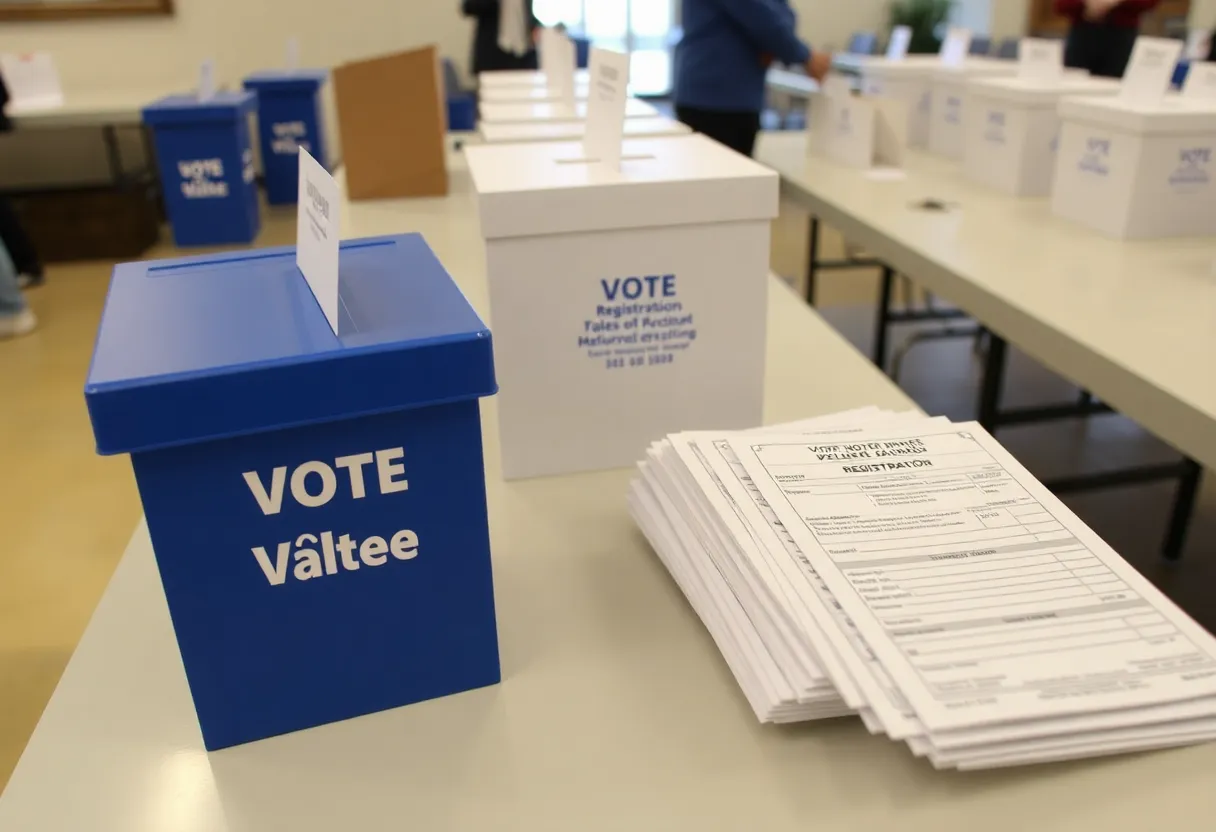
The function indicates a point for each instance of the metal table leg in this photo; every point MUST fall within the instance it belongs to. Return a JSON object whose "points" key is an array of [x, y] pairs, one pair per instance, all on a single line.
{"points": [[882, 323], [109, 135], [993, 381], [1184, 507], [812, 262]]}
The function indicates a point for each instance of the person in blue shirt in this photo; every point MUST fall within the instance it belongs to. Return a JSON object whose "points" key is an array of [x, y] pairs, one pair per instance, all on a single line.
{"points": [[721, 62]]}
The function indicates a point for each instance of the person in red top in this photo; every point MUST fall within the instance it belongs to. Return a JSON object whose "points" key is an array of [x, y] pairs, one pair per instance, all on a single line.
{"points": [[1102, 34]]}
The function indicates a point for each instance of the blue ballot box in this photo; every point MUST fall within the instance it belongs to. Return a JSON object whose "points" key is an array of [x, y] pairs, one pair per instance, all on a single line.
{"points": [[206, 167], [289, 117], [316, 502]]}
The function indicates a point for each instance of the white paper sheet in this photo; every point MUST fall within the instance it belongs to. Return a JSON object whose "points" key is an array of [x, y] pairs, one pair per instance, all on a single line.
{"points": [[982, 595]]}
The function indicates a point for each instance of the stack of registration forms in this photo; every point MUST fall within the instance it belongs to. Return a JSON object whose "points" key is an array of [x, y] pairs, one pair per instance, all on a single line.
{"points": [[910, 571]]}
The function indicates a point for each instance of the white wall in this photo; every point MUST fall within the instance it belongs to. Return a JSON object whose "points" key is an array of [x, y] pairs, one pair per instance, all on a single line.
{"points": [[1203, 14], [242, 35], [1009, 18], [828, 24]]}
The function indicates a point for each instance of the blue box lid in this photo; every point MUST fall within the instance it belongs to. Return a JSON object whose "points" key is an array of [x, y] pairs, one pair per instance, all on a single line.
{"points": [[188, 109], [209, 347], [284, 80]]}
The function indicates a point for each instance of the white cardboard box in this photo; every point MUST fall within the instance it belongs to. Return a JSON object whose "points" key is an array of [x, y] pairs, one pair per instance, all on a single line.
{"points": [[627, 305], [524, 78], [859, 131], [906, 80], [559, 131], [1011, 129], [949, 101], [505, 112], [1137, 170]]}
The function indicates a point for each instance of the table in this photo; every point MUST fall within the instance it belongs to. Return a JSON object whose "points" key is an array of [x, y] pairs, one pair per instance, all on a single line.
{"points": [[1133, 323], [103, 110], [616, 712]]}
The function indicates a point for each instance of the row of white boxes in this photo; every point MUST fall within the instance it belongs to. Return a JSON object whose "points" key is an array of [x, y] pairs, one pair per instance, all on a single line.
{"points": [[626, 304], [1126, 171]]}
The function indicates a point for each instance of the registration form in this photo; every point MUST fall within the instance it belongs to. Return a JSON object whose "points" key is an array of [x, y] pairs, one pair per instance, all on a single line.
{"points": [[985, 599]]}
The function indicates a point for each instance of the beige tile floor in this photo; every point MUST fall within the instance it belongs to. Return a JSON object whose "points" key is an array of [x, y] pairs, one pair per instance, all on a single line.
{"points": [[66, 514]]}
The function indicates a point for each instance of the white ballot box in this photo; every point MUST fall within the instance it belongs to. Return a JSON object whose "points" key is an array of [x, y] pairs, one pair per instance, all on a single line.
{"points": [[1137, 170], [627, 304], [1011, 129], [565, 131], [858, 131], [508, 112], [906, 80], [949, 84], [523, 78]]}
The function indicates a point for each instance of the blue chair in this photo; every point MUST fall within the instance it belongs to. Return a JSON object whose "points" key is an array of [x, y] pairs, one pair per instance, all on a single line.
{"points": [[863, 43], [582, 50], [462, 104], [981, 45]]}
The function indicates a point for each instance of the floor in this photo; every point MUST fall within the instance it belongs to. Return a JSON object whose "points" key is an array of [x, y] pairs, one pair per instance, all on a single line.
{"points": [[68, 513]]}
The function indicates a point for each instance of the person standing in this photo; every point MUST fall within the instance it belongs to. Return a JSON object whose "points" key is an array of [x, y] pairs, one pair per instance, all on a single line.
{"points": [[504, 35], [722, 61], [15, 316], [1102, 33], [21, 250]]}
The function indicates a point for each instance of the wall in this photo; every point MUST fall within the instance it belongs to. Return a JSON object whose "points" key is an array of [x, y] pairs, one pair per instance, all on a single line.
{"points": [[1203, 14], [1009, 18], [829, 23], [242, 35]]}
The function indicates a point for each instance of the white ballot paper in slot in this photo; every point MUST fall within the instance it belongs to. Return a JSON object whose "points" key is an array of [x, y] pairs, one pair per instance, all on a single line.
{"points": [[909, 571], [1150, 70], [1200, 84], [318, 224], [206, 80], [1041, 59], [32, 81], [901, 39], [955, 47], [609, 80], [986, 599]]}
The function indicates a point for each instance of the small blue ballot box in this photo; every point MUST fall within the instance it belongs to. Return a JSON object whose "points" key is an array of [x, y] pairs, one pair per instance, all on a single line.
{"points": [[205, 158], [289, 117], [316, 502]]}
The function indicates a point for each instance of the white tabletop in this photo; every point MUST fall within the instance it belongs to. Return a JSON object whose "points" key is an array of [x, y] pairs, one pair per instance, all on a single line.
{"points": [[616, 710], [1134, 322], [88, 109]]}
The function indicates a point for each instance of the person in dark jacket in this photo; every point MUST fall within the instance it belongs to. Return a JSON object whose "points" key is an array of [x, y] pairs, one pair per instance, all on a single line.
{"points": [[488, 56], [723, 58], [19, 245], [1102, 34]]}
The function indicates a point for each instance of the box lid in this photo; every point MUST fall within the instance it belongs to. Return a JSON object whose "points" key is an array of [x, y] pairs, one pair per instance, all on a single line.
{"points": [[1173, 114], [549, 188], [974, 67], [1041, 91], [918, 66], [523, 77], [209, 347], [521, 111], [556, 131], [285, 80], [188, 109]]}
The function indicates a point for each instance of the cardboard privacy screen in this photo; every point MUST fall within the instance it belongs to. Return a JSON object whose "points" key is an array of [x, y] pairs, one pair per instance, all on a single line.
{"points": [[392, 122]]}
